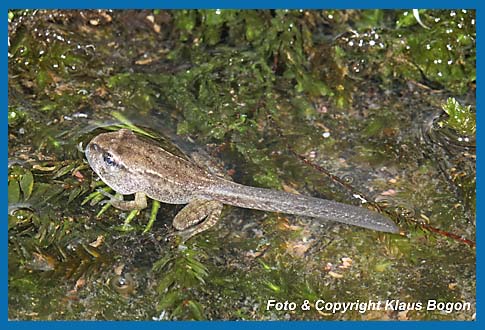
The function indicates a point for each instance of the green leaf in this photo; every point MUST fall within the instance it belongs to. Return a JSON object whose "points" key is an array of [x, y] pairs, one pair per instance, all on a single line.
{"points": [[27, 184], [13, 192], [169, 300], [64, 170], [406, 19], [160, 264], [196, 310], [461, 118], [166, 282], [74, 193], [273, 287]]}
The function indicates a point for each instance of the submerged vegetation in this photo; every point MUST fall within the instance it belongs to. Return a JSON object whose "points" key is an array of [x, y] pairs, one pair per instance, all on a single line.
{"points": [[375, 97], [460, 118]]}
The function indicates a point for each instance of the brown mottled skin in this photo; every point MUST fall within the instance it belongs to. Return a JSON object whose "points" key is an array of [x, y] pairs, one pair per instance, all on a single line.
{"points": [[131, 165]]}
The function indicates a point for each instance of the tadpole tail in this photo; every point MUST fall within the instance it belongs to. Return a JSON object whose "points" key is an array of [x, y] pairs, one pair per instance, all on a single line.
{"points": [[280, 201]]}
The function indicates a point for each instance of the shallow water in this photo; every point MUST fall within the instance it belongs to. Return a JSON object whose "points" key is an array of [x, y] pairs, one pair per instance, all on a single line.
{"points": [[312, 84]]}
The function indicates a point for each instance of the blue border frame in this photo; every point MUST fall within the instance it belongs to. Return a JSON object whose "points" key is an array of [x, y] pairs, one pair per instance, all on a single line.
{"points": [[249, 4]]}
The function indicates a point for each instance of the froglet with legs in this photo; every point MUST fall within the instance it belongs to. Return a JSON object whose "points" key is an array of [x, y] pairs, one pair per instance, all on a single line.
{"points": [[131, 165]]}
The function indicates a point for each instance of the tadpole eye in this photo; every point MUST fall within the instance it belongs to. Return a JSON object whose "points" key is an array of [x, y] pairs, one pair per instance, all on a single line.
{"points": [[108, 159]]}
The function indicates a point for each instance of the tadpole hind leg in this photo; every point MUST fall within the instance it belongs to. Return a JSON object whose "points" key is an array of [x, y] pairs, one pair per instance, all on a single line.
{"points": [[196, 217]]}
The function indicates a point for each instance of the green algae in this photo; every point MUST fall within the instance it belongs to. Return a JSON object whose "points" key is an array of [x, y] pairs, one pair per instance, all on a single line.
{"points": [[250, 85]]}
